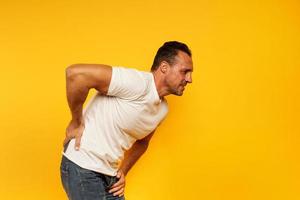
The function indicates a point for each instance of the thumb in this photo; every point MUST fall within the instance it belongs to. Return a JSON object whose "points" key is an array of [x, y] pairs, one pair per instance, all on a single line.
{"points": [[119, 174]]}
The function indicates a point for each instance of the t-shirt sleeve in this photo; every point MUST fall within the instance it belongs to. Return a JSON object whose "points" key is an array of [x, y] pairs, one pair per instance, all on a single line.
{"points": [[126, 83]]}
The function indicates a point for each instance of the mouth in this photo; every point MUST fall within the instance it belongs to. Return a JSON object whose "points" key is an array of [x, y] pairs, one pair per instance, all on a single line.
{"points": [[182, 86]]}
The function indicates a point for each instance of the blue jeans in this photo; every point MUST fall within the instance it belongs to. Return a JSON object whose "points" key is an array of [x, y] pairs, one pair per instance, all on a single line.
{"points": [[84, 184]]}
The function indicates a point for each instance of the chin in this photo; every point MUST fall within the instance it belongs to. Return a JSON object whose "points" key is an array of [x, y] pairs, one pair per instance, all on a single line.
{"points": [[179, 93]]}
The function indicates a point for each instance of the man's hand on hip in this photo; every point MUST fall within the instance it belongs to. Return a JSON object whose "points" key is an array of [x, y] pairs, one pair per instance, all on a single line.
{"points": [[119, 187], [74, 130]]}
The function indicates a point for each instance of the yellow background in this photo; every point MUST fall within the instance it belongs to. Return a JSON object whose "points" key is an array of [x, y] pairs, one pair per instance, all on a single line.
{"points": [[234, 135]]}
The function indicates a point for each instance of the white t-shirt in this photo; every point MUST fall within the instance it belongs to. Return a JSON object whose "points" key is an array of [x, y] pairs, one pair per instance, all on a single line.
{"points": [[130, 111]]}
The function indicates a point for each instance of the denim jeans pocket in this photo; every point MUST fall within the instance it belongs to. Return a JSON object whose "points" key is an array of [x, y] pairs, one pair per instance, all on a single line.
{"points": [[89, 175], [64, 174], [110, 180], [64, 167]]}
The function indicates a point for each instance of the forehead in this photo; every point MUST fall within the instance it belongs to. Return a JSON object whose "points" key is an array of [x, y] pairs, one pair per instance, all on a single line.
{"points": [[184, 60]]}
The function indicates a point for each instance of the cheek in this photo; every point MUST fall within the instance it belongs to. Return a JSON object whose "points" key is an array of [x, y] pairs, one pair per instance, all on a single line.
{"points": [[172, 78], [175, 79]]}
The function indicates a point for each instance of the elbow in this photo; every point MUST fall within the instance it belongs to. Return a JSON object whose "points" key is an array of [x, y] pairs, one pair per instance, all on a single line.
{"points": [[71, 70]]}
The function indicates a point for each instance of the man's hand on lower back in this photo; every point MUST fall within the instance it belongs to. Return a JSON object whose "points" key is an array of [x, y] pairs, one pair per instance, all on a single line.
{"points": [[74, 130]]}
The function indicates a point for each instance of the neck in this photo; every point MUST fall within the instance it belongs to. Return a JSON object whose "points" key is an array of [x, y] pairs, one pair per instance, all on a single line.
{"points": [[162, 90]]}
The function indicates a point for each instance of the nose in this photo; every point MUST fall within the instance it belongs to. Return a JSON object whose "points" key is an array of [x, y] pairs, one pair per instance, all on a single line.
{"points": [[188, 78]]}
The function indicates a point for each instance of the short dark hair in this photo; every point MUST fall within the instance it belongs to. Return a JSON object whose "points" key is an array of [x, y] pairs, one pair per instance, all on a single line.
{"points": [[168, 51]]}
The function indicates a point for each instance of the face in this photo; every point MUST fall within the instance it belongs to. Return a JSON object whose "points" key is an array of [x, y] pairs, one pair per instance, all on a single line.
{"points": [[179, 74]]}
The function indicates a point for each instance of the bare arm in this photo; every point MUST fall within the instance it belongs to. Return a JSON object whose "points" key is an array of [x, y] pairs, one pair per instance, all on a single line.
{"points": [[131, 156], [135, 152], [80, 78]]}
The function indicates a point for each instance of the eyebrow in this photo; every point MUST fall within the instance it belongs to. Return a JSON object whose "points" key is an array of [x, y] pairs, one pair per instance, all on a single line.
{"points": [[188, 69]]}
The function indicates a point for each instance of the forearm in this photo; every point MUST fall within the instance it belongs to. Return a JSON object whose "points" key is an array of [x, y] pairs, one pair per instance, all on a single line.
{"points": [[132, 155], [76, 94]]}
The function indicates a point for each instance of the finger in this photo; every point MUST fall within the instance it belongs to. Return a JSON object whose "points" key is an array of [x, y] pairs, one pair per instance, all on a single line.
{"points": [[121, 181], [119, 192], [116, 189], [119, 174], [70, 134], [77, 142]]}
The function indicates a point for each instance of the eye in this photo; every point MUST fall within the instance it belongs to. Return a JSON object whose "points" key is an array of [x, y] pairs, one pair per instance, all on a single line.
{"points": [[184, 72]]}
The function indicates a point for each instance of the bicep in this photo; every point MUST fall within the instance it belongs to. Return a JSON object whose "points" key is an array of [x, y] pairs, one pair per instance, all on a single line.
{"points": [[96, 76]]}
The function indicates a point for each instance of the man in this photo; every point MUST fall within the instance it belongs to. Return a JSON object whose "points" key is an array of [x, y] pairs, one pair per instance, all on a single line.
{"points": [[103, 142]]}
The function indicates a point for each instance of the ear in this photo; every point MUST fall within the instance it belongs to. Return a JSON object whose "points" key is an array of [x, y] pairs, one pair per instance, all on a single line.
{"points": [[164, 67]]}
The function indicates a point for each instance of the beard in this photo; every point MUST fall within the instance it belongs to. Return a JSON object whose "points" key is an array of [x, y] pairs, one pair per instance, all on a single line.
{"points": [[175, 89], [178, 91]]}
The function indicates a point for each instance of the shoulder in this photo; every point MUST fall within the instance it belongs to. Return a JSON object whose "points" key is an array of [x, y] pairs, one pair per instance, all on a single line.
{"points": [[128, 82], [131, 76], [128, 72]]}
